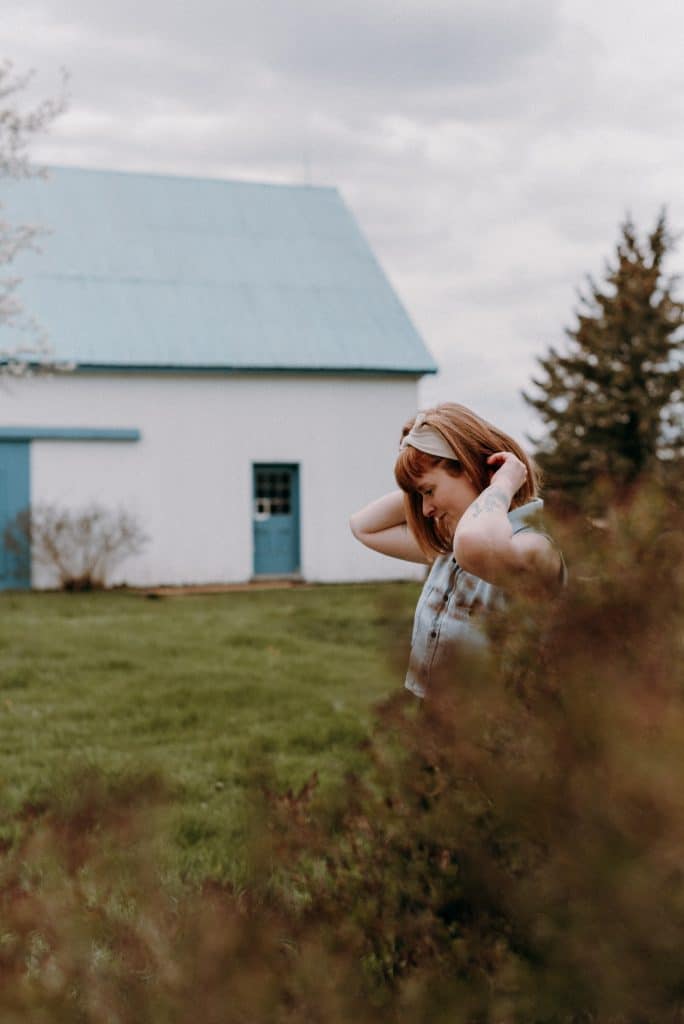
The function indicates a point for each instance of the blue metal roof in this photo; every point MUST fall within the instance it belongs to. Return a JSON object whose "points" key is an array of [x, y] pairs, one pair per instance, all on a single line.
{"points": [[144, 270]]}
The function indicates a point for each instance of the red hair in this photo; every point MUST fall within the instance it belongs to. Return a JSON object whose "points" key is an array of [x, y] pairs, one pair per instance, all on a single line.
{"points": [[472, 440]]}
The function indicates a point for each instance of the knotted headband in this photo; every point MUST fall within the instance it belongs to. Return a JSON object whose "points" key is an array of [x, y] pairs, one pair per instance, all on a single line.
{"points": [[426, 439]]}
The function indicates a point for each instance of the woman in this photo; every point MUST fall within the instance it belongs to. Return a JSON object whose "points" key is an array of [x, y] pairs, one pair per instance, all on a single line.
{"points": [[467, 505]]}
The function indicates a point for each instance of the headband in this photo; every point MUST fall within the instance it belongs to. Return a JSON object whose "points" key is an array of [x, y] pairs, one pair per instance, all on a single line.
{"points": [[426, 439]]}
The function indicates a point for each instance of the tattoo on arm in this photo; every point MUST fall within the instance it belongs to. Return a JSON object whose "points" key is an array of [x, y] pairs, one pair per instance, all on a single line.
{"points": [[489, 501]]}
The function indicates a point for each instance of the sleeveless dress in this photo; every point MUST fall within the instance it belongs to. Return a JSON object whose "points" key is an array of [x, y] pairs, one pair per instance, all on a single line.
{"points": [[450, 608]]}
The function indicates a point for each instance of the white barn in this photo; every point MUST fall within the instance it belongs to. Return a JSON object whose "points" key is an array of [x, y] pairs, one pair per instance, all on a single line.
{"points": [[242, 371]]}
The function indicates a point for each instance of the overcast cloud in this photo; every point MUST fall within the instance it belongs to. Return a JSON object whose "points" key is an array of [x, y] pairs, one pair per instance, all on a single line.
{"points": [[488, 148]]}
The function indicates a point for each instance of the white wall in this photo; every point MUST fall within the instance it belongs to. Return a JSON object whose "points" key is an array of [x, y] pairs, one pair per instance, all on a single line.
{"points": [[189, 479]]}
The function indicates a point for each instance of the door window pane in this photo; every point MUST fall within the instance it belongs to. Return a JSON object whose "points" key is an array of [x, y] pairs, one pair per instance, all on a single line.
{"points": [[273, 492]]}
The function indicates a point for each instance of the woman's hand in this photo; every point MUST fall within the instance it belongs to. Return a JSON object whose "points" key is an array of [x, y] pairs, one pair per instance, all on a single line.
{"points": [[511, 473]]}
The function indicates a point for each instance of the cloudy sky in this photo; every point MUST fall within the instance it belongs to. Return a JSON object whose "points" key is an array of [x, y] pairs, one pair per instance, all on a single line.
{"points": [[488, 148]]}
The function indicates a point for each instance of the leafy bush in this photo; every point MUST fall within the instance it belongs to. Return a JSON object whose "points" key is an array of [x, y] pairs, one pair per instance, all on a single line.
{"points": [[514, 855], [80, 546]]}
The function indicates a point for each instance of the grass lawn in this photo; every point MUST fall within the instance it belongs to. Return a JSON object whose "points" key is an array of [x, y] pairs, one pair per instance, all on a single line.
{"points": [[199, 688]]}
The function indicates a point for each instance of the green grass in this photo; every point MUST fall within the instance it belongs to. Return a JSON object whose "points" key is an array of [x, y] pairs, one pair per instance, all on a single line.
{"points": [[202, 689]]}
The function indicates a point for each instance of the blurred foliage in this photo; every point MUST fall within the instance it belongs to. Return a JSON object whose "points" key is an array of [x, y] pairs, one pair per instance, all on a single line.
{"points": [[513, 855]]}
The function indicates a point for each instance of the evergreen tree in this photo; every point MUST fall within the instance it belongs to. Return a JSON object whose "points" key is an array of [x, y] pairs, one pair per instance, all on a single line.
{"points": [[612, 403]]}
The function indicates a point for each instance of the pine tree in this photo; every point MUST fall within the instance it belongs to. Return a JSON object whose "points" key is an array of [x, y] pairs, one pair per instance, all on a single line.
{"points": [[612, 403]]}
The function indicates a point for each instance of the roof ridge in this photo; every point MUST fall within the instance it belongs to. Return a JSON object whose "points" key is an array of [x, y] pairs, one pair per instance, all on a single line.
{"points": [[169, 176]]}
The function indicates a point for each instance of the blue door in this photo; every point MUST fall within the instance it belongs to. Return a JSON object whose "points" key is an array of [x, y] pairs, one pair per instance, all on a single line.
{"points": [[276, 520], [15, 568]]}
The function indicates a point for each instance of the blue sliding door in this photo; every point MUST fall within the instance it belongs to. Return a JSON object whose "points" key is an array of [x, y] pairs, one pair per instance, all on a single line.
{"points": [[15, 569], [276, 519]]}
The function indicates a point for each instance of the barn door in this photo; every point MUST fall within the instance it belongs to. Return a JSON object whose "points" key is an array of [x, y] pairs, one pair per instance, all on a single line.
{"points": [[15, 571], [276, 520]]}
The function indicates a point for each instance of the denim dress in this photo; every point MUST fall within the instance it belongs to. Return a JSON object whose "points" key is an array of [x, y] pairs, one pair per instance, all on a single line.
{"points": [[450, 608]]}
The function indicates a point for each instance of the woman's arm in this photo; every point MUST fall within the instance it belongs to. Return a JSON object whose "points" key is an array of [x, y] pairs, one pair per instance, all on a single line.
{"points": [[484, 543], [382, 527]]}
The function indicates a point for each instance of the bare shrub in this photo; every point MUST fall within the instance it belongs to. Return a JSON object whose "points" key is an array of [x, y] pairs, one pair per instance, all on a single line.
{"points": [[25, 344], [81, 546]]}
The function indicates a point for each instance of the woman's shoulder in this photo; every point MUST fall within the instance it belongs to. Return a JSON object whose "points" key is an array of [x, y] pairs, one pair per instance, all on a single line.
{"points": [[528, 519]]}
